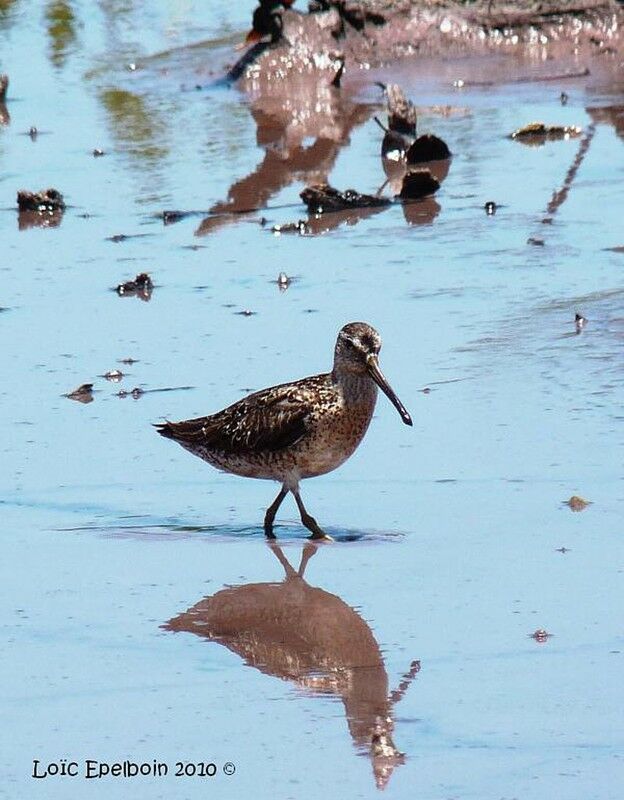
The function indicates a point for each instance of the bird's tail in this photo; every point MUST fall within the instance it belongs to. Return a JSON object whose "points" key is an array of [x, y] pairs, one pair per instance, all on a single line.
{"points": [[165, 429]]}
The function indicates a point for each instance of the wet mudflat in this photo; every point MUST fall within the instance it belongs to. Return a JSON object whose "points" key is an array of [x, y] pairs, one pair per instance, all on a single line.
{"points": [[454, 544]]}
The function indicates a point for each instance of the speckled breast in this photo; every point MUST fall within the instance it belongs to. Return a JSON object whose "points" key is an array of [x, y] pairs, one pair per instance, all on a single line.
{"points": [[333, 440]]}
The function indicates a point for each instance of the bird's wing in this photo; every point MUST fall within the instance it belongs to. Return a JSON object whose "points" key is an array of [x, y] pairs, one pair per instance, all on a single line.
{"points": [[266, 421]]}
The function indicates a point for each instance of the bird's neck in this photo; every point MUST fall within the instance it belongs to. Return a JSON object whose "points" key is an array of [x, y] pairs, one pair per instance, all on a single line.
{"points": [[357, 388]]}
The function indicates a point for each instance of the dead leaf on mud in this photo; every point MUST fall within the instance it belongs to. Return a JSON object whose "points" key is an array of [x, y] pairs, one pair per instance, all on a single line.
{"points": [[576, 503], [536, 133]]}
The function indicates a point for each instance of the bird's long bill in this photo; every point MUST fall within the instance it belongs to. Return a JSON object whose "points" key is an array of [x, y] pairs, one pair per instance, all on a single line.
{"points": [[377, 375]]}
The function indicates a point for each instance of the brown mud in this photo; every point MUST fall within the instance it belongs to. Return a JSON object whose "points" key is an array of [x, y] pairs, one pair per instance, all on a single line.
{"points": [[304, 121], [322, 43]]}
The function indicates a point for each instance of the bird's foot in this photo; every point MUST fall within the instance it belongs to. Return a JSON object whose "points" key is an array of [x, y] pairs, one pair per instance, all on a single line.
{"points": [[268, 532], [318, 534], [321, 536], [268, 527]]}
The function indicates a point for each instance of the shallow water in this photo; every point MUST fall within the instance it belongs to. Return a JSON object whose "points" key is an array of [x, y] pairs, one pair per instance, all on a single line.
{"points": [[448, 534]]}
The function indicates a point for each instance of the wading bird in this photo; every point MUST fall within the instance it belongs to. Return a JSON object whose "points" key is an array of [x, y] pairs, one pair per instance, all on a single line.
{"points": [[296, 430]]}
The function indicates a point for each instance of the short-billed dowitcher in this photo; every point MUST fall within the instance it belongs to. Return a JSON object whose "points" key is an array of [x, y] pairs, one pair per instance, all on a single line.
{"points": [[296, 430]]}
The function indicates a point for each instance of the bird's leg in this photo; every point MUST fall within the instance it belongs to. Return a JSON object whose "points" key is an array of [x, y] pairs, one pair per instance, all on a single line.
{"points": [[279, 554], [308, 551], [310, 523], [272, 511]]}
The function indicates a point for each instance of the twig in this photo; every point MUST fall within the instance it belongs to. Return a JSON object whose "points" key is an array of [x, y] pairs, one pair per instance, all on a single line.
{"points": [[563, 76], [559, 196]]}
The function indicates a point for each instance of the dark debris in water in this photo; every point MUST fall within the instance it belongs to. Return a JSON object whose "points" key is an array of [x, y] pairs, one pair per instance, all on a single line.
{"points": [[536, 133], [141, 287], [417, 184], [394, 145], [541, 635], [138, 392], [283, 281], [113, 375], [39, 219], [397, 147], [427, 148], [171, 217], [83, 394], [401, 111], [301, 227], [135, 393], [122, 237], [47, 200], [322, 197]]}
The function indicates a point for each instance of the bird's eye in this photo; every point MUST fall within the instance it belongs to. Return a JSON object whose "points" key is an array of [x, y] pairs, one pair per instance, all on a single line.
{"points": [[369, 344]]}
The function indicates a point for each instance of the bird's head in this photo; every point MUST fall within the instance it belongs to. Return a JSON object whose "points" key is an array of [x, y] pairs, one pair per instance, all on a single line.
{"points": [[357, 353]]}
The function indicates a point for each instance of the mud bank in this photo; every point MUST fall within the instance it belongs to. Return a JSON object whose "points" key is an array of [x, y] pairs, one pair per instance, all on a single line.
{"points": [[371, 34]]}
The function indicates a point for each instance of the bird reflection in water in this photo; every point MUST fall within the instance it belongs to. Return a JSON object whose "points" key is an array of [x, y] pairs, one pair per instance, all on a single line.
{"points": [[302, 125], [303, 634]]}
